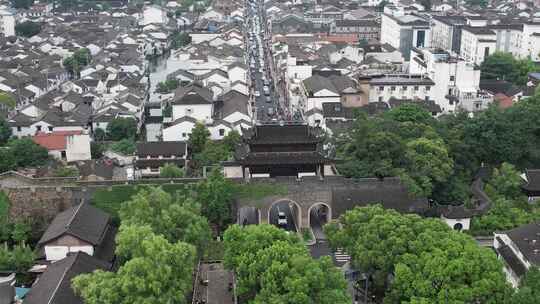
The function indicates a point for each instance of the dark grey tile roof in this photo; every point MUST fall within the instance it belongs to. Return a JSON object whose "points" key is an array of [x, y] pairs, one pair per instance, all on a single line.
{"points": [[318, 83], [163, 148], [527, 239], [276, 134], [193, 94], [54, 285], [83, 221], [533, 180], [480, 30], [283, 158], [512, 260]]}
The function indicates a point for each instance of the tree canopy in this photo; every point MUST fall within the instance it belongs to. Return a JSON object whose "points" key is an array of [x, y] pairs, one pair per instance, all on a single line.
{"points": [[429, 261], [27, 153], [75, 63], [214, 194], [395, 143], [157, 271], [504, 66], [529, 289], [171, 171], [5, 131], [122, 128], [274, 267], [198, 138], [27, 29], [177, 217]]}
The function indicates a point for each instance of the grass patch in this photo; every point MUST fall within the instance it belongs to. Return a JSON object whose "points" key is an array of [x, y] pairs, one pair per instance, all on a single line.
{"points": [[258, 191], [110, 199], [213, 250]]}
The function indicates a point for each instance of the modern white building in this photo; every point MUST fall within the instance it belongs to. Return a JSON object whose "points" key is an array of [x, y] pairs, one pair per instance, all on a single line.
{"points": [[446, 32], [7, 21], [404, 32], [401, 86], [456, 81], [477, 43]]}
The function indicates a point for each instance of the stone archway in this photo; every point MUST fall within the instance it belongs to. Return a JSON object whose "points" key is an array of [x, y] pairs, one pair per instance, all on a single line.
{"points": [[327, 211], [295, 209]]}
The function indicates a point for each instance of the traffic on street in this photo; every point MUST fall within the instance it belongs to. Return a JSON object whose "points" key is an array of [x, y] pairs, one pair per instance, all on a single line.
{"points": [[265, 100]]}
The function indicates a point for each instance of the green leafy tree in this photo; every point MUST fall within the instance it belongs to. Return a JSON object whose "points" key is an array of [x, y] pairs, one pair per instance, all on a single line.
{"points": [[167, 86], [428, 163], [232, 139], [198, 138], [8, 161], [96, 149], [504, 66], [27, 153], [5, 131], [99, 134], [429, 261], [157, 272], [212, 154], [122, 128], [7, 100], [27, 29], [214, 194], [179, 39], [176, 218], [19, 258], [529, 289], [242, 243], [20, 232], [75, 63], [124, 146], [171, 171], [506, 182], [410, 113]]}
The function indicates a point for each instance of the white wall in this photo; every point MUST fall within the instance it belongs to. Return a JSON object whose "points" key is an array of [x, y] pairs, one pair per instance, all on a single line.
{"points": [[465, 222], [55, 253], [199, 112], [78, 147], [178, 132]]}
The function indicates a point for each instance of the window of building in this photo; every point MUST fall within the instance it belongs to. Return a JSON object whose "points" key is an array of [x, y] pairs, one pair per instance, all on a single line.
{"points": [[381, 88], [183, 135], [392, 88], [189, 111], [404, 88], [428, 88], [416, 88], [452, 78], [380, 99], [221, 132], [19, 129], [50, 129], [38, 128]]}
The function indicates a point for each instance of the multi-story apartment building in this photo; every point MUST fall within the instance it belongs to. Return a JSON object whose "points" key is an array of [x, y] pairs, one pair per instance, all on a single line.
{"points": [[477, 43], [361, 29], [7, 22], [404, 32], [323, 15], [382, 88], [446, 32], [456, 81], [520, 40]]}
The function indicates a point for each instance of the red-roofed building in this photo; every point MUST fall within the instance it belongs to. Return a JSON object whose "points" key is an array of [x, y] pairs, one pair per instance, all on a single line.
{"points": [[66, 145]]}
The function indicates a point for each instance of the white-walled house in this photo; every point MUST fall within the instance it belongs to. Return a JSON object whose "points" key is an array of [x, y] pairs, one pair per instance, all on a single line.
{"points": [[179, 129], [456, 81], [194, 101], [65, 145], [80, 228], [151, 156], [318, 90]]}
